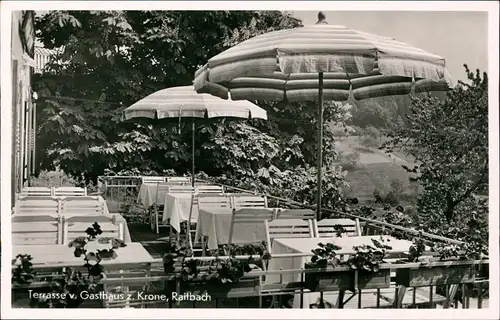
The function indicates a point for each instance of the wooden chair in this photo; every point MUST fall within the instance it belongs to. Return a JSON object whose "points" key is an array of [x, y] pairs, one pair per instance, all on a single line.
{"points": [[153, 179], [75, 227], [70, 192], [156, 214], [288, 228], [37, 191], [246, 201], [333, 227], [181, 180], [209, 189], [36, 230], [180, 189], [82, 206], [213, 201], [249, 216], [37, 205], [304, 214], [199, 201]]}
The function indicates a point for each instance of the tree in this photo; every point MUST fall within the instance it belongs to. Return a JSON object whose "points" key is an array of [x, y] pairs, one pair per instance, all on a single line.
{"points": [[449, 140], [114, 58], [111, 59]]}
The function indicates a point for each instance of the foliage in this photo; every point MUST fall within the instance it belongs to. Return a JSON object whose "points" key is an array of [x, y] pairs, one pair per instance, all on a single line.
{"points": [[368, 142], [325, 255], [23, 273], [179, 260], [416, 249], [350, 160], [114, 58], [110, 59], [65, 288], [372, 132], [366, 258], [449, 140]]}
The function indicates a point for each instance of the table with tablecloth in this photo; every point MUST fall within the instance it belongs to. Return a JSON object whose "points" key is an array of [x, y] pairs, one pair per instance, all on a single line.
{"points": [[147, 195], [177, 207], [215, 224], [306, 245]]}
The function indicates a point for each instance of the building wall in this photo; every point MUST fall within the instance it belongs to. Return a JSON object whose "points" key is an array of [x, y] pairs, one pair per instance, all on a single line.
{"points": [[22, 107]]}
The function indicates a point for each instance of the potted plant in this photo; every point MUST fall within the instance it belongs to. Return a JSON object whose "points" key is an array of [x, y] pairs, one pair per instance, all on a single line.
{"points": [[360, 271]]}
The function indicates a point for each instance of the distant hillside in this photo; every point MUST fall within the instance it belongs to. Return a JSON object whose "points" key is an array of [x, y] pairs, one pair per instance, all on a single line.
{"points": [[383, 112], [375, 170]]}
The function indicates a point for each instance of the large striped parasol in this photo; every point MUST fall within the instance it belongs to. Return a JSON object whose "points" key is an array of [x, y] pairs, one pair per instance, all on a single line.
{"points": [[184, 102], [320, 62]]}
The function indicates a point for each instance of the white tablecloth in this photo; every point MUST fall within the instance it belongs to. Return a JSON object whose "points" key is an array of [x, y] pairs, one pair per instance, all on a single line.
{"points": [[177, 207], [147, 195], [215, 224], [306, 245]]}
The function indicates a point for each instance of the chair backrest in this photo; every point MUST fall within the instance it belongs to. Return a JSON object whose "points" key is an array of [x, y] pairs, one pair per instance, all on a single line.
{"points": [[334, 227], [75, 227], [82, 206], [37, 205], [36, 191], [70, 192], [304, 214], [288, 228], [162, 188], [152, 179], [213, 201], [209, 189], [180, 189], [185, 180], [250, 216], [36, 230], [246, 201]]}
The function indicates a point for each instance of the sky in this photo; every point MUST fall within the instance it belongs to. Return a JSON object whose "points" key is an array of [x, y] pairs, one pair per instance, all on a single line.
{"points": [[459, 37]]}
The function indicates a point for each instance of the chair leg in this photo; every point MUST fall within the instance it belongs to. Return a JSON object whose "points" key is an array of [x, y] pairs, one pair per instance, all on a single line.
{"points": [[157, 226]]}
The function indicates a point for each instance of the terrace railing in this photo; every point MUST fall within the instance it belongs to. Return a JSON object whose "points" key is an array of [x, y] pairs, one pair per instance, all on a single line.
{"points": [[367, 224], [405, 278]]}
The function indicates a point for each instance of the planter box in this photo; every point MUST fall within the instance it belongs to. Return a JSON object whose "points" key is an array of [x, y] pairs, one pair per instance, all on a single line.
{"points": [[214, 289], [332, 280], [436, 275]]}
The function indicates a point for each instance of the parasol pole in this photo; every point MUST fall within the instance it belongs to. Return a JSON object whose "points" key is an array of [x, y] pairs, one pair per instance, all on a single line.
{"points": [[192, 152], [320, 145]]}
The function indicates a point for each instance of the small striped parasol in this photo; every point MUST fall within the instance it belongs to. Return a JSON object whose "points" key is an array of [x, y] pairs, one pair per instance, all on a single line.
{"points": [[184, 102]]}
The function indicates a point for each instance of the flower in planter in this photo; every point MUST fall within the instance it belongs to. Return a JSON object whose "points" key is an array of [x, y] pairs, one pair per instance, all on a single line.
{"points": [[24, 272], [366, 258], [325, 255], [416, 249], [79, 242]]}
